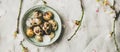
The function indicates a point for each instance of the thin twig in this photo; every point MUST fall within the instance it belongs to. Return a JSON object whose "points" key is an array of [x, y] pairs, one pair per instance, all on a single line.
{"points": [[18, 19], [115, 41], [24, 49], [113, 30], [79, 23], [44, 2], [114, 35]]}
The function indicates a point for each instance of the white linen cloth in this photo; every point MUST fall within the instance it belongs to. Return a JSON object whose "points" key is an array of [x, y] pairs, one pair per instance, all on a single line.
{"points": [[93, 36]]}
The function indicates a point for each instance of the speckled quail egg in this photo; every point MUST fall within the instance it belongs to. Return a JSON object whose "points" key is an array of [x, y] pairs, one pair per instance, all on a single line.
{"points": [[36, 21], [39, 38], [29, 32], [37, 30], [37, 14], [33, 21], [47, 15], [54, 24], [47, 28], [52, 35]]}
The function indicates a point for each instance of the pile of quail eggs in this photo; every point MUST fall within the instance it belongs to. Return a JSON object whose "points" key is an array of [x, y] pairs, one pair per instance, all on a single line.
{"points": [[41, 26]]}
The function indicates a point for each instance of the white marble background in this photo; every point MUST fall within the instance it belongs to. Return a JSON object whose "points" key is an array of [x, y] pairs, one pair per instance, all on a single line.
{"points": [[93, 36]]}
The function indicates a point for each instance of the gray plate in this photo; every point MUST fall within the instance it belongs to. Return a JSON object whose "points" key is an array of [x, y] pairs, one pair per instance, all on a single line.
{"points": [[44, 9]]}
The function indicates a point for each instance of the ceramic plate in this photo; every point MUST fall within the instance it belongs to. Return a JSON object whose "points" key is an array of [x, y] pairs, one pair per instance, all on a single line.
{"points": [[43, 8]]}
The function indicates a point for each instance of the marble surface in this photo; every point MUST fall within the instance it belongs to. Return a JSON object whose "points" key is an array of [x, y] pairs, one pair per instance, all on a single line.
{"points": [[93, 36]]}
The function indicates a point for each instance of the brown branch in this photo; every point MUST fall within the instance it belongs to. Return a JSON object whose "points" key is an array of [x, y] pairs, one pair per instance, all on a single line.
{"points": [[114, 34], [24, 49], [79, 21], [44, 2], [113, 30], [18, 19]]}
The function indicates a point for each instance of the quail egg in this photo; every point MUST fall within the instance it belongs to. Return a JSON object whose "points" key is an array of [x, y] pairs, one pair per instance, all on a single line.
{"points": [[54, 24], [39, 38], [47, 15], [29, 32]]}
